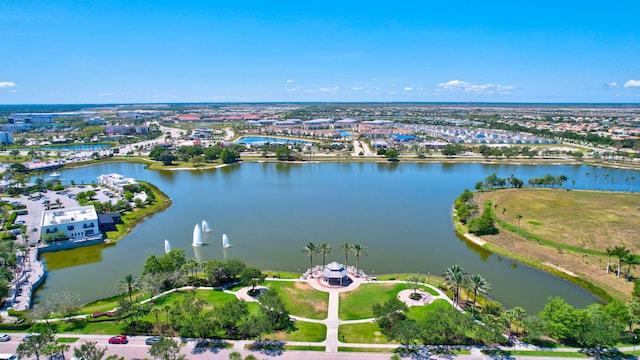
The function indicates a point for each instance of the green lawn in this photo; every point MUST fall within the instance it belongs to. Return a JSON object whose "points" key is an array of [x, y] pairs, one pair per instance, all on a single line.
{"points": [[418, 312], [301, 299], [367, 333], [306, 331], [357, 304], [84, 327], [510, 353], [104, 304], [360, 349]]}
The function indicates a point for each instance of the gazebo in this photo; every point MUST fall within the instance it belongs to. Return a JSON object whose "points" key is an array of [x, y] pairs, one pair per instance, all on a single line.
{"points": [[335, 274]]}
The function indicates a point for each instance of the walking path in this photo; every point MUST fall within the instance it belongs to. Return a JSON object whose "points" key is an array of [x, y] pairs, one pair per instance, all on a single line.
{"points": [[332, 322], [31, 274]]}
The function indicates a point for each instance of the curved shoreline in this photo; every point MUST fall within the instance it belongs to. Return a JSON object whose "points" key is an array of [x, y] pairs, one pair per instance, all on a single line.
{"points": [[536, 263]]}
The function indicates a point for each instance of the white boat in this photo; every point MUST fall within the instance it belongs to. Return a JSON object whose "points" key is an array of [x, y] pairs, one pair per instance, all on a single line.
{"points": [[54, 174], [197, 236], [225, 241], [205, 226], [167, 246]]}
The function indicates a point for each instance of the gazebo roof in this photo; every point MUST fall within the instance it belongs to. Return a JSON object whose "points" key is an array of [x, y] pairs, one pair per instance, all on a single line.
{"points": [[335, 271]]}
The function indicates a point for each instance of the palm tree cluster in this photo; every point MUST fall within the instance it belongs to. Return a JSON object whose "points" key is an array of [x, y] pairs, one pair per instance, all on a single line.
{"points": [[456, 278], [624, 255], [628, 181], [324, 249]]}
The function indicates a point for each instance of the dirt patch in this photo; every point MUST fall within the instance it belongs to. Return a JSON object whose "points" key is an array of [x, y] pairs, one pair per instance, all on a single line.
{"points": [[589, 267]]}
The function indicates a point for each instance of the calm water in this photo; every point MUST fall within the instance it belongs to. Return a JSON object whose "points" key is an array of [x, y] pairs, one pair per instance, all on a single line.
{"points": [[261, 140], [401, 212], [85, 147]]}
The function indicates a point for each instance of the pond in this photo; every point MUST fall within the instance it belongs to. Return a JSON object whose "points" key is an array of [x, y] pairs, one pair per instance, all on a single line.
{"points": [[400, 211]]}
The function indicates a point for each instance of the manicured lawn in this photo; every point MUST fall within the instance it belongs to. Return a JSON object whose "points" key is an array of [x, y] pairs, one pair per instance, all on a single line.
{"points": [[84, 327], [104, 304], [359, 349], [67, 339], [301, 299], [368, 333], [306, 331], [418, 312], [304, 348], [357, 304], [509, 354]]}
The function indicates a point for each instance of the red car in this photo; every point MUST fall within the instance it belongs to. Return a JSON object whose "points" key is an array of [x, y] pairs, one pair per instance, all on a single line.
{"points": [[119, 339]]}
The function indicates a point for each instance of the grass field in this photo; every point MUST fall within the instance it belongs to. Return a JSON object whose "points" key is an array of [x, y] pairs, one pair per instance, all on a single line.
{"points": [[418, 312], [306, 331], [301, 299], [568, 232], [367, 333], [357, 304]]}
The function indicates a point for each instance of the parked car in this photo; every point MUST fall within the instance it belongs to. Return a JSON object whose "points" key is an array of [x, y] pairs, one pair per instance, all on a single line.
{"points": [[152, 340], [118, 339], [5, 337], [29, 335]]}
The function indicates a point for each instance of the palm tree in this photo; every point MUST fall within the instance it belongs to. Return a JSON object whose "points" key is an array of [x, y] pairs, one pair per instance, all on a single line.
{"points": [[347, 249], [631, 187], [190, 267], [604, 182], [612, 180], [631, 260], [129, 283], [573, 184], [586, 186], [519, 217], [358, 250], [626, 181], [595, 177], [155, 311], [324, 249], [310, 249], [518, 315], [620, 252], [609, 255], [455, 278], [478, 284], [504, 210]]}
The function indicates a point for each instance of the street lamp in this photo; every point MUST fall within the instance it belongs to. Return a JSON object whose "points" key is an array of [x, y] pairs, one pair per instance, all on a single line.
{"points": [[428, 278]]}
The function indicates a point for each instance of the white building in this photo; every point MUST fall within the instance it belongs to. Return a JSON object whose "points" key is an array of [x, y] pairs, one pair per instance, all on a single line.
{"points": [[78, 222], [117, 182]]}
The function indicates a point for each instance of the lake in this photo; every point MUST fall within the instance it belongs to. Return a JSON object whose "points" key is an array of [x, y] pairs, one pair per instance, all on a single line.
{"points": [[400, 211]]}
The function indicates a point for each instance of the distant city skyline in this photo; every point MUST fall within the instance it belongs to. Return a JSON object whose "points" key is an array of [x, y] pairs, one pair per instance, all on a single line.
{"points": [[253, 51]]}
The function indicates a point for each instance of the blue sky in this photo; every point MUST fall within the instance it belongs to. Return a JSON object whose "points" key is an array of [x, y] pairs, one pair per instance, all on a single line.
{"points": [[115, 51]]}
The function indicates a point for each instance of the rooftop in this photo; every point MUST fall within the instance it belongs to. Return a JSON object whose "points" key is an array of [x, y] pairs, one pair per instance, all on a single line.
{"points": [[63, 216]]}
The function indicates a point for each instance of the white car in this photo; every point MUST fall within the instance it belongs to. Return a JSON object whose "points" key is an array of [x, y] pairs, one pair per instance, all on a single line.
{"points": [[5, 337]]}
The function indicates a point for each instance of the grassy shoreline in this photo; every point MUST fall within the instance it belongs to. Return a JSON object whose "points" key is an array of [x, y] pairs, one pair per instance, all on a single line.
{"points": [[131, 220], [568, 244]]}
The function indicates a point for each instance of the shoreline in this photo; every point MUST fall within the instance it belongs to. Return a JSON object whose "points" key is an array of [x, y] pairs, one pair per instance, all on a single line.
{"points": [[478, 241]]}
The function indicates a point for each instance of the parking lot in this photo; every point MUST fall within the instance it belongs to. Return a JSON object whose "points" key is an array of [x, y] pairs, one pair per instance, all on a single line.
{"points": [[37, 203]]}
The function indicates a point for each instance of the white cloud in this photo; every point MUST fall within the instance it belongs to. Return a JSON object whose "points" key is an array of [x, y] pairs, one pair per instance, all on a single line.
{"points": [[391, 92], [632, 83], [408, 88], [357, 88], [329, 90], [7, 84], [613, 85], [459, 85], [294, 89], [289, 81], [105, 94]]}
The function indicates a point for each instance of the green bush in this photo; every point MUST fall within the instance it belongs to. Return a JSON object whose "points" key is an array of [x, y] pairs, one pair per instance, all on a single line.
{"points": [[16, 326]]}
